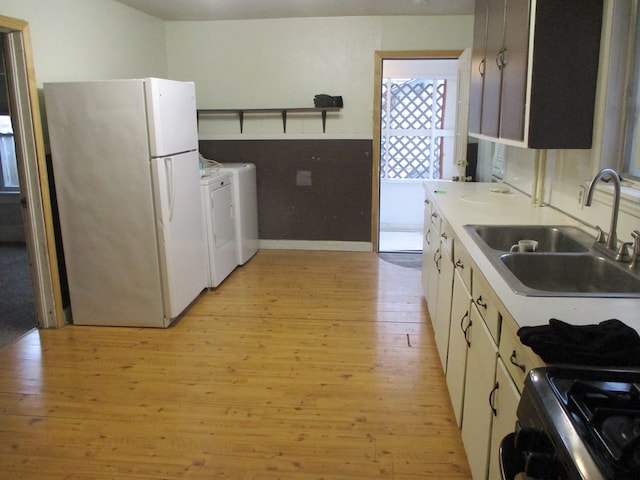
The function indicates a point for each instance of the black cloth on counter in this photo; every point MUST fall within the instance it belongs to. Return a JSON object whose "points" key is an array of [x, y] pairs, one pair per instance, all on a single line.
{"points": [[610, 343]]}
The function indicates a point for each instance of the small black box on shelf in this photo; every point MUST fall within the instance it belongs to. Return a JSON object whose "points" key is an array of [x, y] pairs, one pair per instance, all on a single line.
{"points": [[324, 101]]}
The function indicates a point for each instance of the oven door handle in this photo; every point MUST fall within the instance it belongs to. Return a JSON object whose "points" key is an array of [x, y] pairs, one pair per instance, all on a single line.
{"points": [[512, 462]]}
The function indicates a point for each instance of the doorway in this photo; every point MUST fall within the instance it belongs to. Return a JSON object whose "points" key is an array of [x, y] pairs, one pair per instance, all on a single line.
{"points": [[16, 290], [32, 189], [414, 137]]}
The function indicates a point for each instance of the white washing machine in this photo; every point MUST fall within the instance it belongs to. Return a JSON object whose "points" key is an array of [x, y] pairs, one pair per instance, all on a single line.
{"points": [[245, 198], [219, 222]]}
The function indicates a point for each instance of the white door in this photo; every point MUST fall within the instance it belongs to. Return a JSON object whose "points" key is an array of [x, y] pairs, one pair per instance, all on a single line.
{"points": [[171, 109], [180, 230], [462, 112], [225, 257]]}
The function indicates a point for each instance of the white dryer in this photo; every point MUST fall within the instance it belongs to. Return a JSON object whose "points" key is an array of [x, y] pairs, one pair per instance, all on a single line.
{"points": [[245, 198], [219, 222]]}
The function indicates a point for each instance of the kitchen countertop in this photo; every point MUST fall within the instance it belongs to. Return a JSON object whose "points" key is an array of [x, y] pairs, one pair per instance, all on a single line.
{"points": [[463, 203]]}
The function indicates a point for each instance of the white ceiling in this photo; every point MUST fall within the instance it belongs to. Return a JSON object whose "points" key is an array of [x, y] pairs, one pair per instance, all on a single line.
{"points": [[256, 9]]}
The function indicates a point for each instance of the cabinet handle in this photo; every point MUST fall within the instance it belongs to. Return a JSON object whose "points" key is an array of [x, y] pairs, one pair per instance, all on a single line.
{"points": [[436, 258], [481, 67], [427, 201], [434, 215], [514, 361], [459, 264], [501, 59], [444, 236], [492, 399], [426, 237], [465, 330], [480, 303]]}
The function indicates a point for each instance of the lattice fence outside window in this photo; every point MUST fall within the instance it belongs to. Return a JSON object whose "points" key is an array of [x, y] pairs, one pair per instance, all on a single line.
{"points": [[412, 119]]}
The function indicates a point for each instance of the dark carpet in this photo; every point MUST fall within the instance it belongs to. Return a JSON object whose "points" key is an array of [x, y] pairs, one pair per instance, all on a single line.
{"points": [[17, 309], [403, 259]]}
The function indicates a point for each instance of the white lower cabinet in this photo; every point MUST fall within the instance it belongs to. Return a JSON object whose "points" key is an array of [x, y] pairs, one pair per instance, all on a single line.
{"points": [[505, 400], [427, 240], [442, 318], [458, 335], [478, 395], [484, 362], [431, 263]]}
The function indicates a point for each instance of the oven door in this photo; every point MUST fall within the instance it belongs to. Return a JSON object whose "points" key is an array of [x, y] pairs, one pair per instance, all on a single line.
{"points": [[529, 455], [511, 461]]}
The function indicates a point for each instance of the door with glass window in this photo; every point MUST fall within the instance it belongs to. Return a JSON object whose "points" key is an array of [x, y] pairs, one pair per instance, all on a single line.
{"points": [[417, 137]]}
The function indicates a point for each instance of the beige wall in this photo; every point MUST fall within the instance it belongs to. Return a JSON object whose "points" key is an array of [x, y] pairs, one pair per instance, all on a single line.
{"points": [[90, 39], [285, 62]]}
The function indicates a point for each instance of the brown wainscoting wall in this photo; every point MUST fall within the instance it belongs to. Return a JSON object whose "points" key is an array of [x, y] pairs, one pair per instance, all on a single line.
{"points": [[336, 205]]}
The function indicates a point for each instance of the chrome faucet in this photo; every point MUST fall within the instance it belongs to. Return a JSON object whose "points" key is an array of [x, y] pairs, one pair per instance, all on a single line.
{"points": [[612, 238]]}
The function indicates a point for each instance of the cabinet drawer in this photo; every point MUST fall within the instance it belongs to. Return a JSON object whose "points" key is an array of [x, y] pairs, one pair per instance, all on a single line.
{"points": [[446, 241], [518, 358], [488, 304], [436, 218], [462, 263], [428, 207]]}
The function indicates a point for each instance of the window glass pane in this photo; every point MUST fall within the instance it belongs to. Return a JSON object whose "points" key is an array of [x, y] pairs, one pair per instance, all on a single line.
{"points": [[631, 152], [8, 164], [412, 112]]}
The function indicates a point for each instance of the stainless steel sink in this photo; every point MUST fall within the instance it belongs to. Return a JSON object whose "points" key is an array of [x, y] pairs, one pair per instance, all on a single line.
{"points": [[571, 275], [550, 238], [565, 265]]}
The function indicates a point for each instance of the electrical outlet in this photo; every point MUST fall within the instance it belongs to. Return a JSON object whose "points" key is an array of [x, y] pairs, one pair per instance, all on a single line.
{"points": [[303, 178]]}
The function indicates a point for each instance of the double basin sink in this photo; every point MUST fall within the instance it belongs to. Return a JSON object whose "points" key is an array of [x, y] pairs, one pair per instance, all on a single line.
{"points": [[566, 264]]}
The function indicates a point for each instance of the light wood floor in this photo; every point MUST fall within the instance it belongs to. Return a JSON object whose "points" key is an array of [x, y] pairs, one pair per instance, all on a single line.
{"points": [[301, 365]]}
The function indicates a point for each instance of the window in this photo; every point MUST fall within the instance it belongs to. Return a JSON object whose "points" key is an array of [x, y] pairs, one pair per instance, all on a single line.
{"points": [[631, 145], [8, 166], [412, 119]]}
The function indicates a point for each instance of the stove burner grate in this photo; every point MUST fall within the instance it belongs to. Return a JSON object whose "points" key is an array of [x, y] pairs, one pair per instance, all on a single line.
{"points": [[612, 419]]}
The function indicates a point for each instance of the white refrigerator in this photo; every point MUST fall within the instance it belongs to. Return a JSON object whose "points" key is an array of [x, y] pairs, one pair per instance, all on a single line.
{"points": [[127, 181]]}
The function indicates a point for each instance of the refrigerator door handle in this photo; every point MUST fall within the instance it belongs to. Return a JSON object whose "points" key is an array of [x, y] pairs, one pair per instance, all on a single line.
{"points": [[168, 166]]}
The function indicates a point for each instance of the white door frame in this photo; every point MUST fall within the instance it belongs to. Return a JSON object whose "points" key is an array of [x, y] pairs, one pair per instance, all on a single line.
{"points": [[32, 171], [380, 56]]}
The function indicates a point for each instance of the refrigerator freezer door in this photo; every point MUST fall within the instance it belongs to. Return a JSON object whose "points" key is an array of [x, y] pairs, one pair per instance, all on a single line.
{"points": [[180, 231], [100, 157], [172, 116]]}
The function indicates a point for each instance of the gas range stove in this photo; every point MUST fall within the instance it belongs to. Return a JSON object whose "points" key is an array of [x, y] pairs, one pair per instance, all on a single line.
{"points": [[577, 424]]}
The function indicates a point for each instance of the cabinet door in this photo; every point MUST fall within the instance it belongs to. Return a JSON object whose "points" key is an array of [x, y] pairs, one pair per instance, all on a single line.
{"points": [[478, 392], [434, 260], [514, 72], [488, 304], [505, 403], [427, 240], [458, 333], [433, 271], [478, 60], [441, 322], [492, 70]]}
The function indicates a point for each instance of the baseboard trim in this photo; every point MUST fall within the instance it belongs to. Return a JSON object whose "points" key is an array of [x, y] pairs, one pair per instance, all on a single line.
{"points": [[316, 245]]}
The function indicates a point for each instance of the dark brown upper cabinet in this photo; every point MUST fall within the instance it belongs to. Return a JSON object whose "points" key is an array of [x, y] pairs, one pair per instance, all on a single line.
{"points": [[534, 72]]}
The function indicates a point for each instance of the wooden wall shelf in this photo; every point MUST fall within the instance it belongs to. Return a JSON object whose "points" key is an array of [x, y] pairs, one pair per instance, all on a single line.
{"points": [[240, 112]]}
